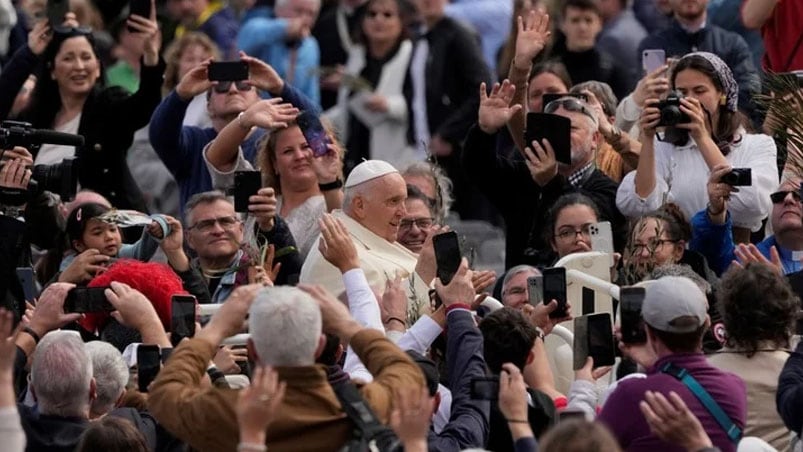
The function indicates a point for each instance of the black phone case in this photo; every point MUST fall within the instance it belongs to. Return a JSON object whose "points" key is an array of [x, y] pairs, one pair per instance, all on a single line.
{"points": [[84, 300], [228, 71], [600, 340], [554, 128], [447, 255], [246, 184], [632, 327], [140, 8], [56, 10], [182, 318], [555, 277], [149, 360]]}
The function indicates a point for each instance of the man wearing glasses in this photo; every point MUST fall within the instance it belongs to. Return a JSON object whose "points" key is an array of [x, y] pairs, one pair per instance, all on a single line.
{"points": [[216, 234], [524, 189], [181, 147], [711, 227]]}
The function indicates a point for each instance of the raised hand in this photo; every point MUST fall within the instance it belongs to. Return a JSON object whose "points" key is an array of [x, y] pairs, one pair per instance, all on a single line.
{"points": [[262, 75], [459, 289], [698, 127], [149, 28], [541, 162], [335, 244], [227, 359], [410, 418], [482, 280], [750, 253], [652, 86], [195, 81], [263, 207], [719, 193], [15, 174], [328, 167], [393, 304], [269, 114], [650, 117], [49, 313], [230, 318], [334, 314], [257, 405], [533, 34], [495, 110], [539, 315], [673, 422]]}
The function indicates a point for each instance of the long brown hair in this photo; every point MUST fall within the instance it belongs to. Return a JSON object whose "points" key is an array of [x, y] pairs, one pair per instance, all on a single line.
{"points": [[177, 48]]}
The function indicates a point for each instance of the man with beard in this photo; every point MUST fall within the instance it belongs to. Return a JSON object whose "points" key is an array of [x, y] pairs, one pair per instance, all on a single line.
{"points": [[711, 228], [692, 32]]}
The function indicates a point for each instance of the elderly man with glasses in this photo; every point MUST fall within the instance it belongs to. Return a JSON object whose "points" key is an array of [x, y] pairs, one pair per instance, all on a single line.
{"points": [[712, 227], [224, 244], [524, 189]]}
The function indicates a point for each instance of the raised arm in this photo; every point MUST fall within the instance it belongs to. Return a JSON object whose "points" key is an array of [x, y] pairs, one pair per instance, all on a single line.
{"points": [[756, 12], [22, 65], [532, 36]]}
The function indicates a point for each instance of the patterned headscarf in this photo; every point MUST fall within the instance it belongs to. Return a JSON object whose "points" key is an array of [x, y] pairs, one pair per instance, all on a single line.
{"points": [[724, 77]]}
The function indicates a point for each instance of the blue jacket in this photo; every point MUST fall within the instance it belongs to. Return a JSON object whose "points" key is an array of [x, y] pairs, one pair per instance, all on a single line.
{"points": [[222, 28], [729, 46], [715, 242], [789, 398], [468, 424], [181, 147], [265, 39]]}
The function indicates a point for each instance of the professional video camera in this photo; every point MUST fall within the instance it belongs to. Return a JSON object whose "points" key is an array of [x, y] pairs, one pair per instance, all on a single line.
{"points": [[60, 178]]}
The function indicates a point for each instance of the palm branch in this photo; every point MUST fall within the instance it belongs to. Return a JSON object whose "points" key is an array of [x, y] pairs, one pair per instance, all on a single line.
{"points": [[782, 99]]}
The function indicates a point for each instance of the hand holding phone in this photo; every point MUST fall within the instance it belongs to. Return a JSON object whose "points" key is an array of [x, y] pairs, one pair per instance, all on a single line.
{"points": [[140, 8], [314, 133], [447, 255], [149, 361], [87, 299], [246, 184], [555, 289], [182, 318]]}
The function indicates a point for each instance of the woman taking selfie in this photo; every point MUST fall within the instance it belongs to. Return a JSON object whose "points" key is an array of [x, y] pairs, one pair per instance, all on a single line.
{"points": [[70, 97], [675, 166]]}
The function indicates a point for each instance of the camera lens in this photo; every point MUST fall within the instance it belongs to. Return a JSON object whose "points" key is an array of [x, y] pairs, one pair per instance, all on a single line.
{"points": [[670, 115], [731, 178]]}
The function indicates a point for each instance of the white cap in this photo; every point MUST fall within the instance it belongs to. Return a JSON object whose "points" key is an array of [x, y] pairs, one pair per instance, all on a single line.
{"points": [[674, 304], [368, 170]]}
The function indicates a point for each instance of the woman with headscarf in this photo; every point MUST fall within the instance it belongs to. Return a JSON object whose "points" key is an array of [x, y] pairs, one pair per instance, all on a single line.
{"points": [[675, 166]]}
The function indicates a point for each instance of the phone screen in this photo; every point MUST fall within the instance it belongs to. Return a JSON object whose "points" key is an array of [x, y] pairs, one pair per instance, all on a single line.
{"points": [[535, 289], [87, 299], [485, 388], [149, 361], [56, 10], [228, 71], [182, 318], [554, 128], [632, 326], [555, 289], [314, 133], [246, 184], [25, 276], [600, 340], [447, 255]]}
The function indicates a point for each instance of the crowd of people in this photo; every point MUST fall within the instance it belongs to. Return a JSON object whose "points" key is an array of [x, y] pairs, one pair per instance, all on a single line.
{"points": [[224, 225]]}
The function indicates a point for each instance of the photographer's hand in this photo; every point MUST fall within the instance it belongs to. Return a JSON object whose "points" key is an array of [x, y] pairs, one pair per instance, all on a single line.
{"points": [[15, 174], [650, 117], [39, 37], [18, 152], [149, 28], [718, 194], [194, 82], [652, 86], [269, 114], [262, 75]]}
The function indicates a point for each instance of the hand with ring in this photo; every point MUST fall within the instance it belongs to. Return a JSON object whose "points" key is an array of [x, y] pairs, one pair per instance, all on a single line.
{"points": [[258, 404], [411, 416]]}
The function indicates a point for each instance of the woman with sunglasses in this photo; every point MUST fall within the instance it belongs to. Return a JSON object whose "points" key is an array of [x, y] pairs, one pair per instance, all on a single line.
{"points": [[371, 112], [70, 97], [712, 226], [673, 167]]}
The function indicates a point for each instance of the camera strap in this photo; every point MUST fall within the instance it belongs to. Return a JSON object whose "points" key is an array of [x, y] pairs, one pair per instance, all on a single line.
{"points": [[731, 429], [368, 430]]}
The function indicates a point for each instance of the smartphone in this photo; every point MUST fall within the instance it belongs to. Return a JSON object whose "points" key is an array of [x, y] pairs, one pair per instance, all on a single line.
{"points": [[555, 289], [602, 239], [182, 318], [632, 325], [228, 71], [149, 361], [546, 98], [568, 414], [535, 289], [26, 279], [447, 255], [87, 299], [56, 10], [593, 336], [246, 184], [485, 388], [652, 59], [314, 133], [554, 128], [140, 8]]}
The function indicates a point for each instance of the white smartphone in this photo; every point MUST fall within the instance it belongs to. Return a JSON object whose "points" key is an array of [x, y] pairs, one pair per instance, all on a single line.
{"points": [[652, 59], [602, 239]]}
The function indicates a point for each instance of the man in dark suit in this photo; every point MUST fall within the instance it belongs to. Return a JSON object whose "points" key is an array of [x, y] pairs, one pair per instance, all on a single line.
{"points": [[446, 69]]}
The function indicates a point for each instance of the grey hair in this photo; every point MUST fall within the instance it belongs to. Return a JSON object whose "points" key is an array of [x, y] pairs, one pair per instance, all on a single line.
{"points": [[602, 91], [682, 270], [207, 197], [349, 193], [110, 373], [515, 271], [442, 183], [61, 375], [285, 325]]}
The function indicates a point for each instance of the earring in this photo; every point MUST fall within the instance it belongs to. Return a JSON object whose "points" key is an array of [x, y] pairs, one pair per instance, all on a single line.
{"points": [[723, 100]]}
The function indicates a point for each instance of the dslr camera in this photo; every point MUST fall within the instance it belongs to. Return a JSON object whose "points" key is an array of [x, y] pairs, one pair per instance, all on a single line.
{"points": [[671, 114], [738, 177], [60, 178]]}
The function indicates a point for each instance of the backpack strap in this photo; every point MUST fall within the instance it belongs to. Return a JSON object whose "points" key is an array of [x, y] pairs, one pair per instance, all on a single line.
{"points": [[366, 423], [731, 429]]}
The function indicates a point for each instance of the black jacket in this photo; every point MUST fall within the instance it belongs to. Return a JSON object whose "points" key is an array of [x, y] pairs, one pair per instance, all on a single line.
{"points": [[523, 204], [455, 68], [108, 121], [594, 64], [729, 46]]}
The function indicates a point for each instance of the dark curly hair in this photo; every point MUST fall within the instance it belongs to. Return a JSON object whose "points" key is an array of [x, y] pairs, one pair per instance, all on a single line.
{"points": [[508, 337], [757, 306]]}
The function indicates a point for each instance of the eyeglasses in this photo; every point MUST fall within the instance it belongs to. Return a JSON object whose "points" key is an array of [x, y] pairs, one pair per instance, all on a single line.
{"points": [[206, 225], [223, 87], [651, 247], [780, 196], [570, 104], [422, 223], [375, 14], [569, 233]]}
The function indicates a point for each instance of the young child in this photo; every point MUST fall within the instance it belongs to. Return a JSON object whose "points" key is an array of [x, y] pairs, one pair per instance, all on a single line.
{"points": [[86, 230]]}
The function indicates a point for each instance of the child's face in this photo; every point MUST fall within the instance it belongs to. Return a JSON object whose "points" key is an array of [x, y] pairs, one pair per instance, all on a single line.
{"points": [[101, 236]]}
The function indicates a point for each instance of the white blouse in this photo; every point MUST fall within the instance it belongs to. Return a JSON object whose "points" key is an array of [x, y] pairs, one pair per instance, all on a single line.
{"points": [[682, 176]]}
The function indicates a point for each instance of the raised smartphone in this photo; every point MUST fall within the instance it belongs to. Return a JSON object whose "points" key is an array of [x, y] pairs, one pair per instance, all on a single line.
{"points": [[447, 255], [632, 325], [555, 289], [652, 59], [228, 71], [535, 289], [149, 361], [246, 184], [182, 318], [87, 299], [314, 133]]}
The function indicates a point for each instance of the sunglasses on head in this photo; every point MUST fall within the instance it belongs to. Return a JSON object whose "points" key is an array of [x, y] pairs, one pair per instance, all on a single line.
{"points": [[570, 104], [779, 196], [223, 87]]}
